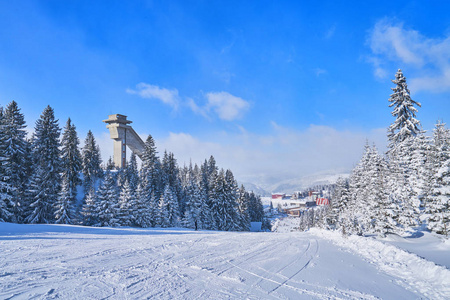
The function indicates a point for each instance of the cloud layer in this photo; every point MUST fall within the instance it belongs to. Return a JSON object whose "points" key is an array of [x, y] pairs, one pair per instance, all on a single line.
{"points": [[282, 154], [429, 58]]}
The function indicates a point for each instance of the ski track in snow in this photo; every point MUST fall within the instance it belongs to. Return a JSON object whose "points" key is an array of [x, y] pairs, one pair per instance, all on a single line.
{"points": [[72, 262]]}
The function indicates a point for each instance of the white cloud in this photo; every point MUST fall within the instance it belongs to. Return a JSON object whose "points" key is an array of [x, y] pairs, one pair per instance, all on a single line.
{"points": [[148, 91], [227, 106], [330, 32], [427, 59], [320, 71]]}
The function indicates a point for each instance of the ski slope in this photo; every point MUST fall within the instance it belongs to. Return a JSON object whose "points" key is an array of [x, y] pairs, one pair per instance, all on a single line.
{"points": [[74, 262]]}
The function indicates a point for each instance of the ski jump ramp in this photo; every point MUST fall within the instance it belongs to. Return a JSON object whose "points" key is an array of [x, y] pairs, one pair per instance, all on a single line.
{"points": [[123, 135]]}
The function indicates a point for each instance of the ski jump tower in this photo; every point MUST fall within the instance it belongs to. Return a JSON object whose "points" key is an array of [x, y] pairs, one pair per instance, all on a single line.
{"points": [[123, 135]]}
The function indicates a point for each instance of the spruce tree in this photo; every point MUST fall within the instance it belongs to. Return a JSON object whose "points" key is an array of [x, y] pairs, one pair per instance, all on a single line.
{"points": [[46, 180], [151, 171], [243, 209], [438, 197], [71, 162], [15, 154], [169, 211], [132, 173], [402, 133], [64, 205], [91, 163], [128, 204], [5, 186], [107, 202], [144, 212], [231, 197], [405, 124], [90, 209]]}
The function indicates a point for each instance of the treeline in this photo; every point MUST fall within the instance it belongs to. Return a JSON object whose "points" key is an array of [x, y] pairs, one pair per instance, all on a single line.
{"points": [[407, 187], [47, 179]]}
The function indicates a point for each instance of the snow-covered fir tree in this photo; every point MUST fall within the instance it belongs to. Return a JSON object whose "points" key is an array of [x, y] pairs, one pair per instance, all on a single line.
{"points": [[91, 163], [193, 200], [15, 153], [128, 204], [64, 205], [401, 134], [107, 206], [438, 197], [169, 212], [132, 172], [46, 179], [338, 203], [405, 125], [5, 186], [243, 209], [90, 209], [144, 211], [71, 163], [151, 171]]}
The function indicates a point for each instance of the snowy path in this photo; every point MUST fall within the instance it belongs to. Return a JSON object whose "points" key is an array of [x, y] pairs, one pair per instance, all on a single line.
{"points": [[70, 262]]}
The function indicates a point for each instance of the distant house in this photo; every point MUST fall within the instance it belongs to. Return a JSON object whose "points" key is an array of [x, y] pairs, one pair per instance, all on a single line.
{"points": [[278, 196], [322, 201], [295, 212]]}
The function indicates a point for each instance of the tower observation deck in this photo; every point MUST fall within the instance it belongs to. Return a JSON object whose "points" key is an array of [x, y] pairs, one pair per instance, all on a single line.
{"points": [[123, 135]]}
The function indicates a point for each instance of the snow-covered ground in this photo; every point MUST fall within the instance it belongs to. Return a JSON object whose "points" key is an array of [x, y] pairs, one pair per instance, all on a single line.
{"points": [[74, 262]]}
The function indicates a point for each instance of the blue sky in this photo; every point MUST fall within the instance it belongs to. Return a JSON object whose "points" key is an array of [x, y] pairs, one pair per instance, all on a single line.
{"points": [[273, 89]]}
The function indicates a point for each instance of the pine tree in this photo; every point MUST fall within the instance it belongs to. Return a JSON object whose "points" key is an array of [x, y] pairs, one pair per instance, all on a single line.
{"points": [[107, 202], [91, 163], [46, 180], [151, 171], [438, 197], [169, 211], [15, 154], [405, 125], [89, 211], [132, 172], [128, 204], [338, 203], [170, 174], [64, 205], [5, 186], [144, 212], [231, 197], [71, 162], [243, 209], [383, 212], [421, 168], [402, 134]]}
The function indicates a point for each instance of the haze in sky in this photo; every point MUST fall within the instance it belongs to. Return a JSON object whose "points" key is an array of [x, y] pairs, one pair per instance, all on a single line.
{"points": [[273, 89]]}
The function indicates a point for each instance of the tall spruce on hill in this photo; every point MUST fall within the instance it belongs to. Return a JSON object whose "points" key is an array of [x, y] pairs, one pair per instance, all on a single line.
{"points": [[91, 163], [46, 179], [151, 172], [15, 152], [5, 186], [71, 167], [401, 134], [405, 124], [438, 198]]}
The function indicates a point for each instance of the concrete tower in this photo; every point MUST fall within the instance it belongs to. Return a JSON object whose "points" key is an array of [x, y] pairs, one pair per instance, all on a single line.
{"points": [[123, 135]]}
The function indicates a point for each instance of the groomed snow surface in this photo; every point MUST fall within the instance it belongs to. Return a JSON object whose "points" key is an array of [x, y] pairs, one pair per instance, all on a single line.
{"points": [[74, 262]]}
